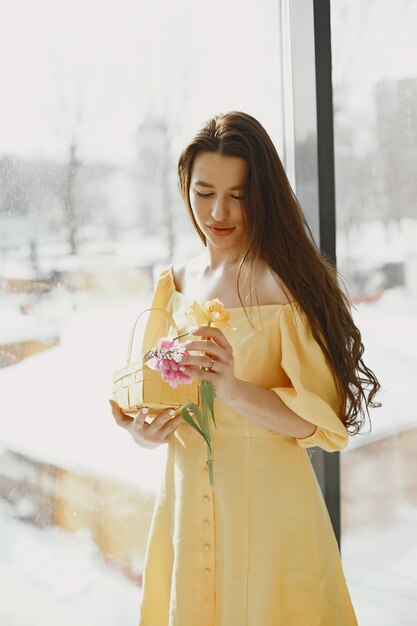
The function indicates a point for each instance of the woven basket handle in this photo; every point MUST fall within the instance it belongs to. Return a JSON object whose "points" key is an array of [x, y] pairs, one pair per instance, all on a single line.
{"points": [[132, 333]]}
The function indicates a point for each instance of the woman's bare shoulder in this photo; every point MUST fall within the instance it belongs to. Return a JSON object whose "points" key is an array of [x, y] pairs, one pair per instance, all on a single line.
{"points": [[270, 289], [273, 284], [182, 269]]}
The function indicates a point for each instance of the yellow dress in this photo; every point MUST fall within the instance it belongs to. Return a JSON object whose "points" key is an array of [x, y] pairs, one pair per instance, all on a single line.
{"points": [[257, 547]]}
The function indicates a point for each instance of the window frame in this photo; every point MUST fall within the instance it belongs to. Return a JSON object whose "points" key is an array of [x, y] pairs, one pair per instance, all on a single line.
{"points": [[307, 97]]}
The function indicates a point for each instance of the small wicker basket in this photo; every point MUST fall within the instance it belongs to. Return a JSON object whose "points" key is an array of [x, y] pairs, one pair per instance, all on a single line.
{"points": [[137, 385]]}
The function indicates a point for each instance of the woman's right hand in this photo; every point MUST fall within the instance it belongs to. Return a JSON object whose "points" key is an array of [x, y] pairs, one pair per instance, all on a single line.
{"points": [[144, 434]]}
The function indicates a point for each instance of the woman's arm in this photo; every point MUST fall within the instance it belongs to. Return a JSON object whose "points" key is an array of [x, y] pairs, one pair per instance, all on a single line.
{"points": [[266, 408], [270, 407], [256, 403]]}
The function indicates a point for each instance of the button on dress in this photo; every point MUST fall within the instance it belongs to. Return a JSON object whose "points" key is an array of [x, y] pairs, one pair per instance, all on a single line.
{"points": [[256, 548]]}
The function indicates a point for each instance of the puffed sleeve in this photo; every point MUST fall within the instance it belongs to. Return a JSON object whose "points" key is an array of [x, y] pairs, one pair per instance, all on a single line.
{"points": [[158, 322], [312, 392]]}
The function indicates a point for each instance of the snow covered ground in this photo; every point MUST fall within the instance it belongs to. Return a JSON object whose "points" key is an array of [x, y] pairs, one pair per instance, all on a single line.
{"points": [[64, 581], [380, 566], [380, 562], [54, 407], [389, 334], [53, 578], [55, 404]]}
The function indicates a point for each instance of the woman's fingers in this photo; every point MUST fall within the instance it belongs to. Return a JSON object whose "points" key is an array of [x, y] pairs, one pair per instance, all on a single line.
{"points": [[148, 435], [160, 424], [215, 334], [205, 346], [197, 361], [209, 376], [170, 426], [120, 418]]}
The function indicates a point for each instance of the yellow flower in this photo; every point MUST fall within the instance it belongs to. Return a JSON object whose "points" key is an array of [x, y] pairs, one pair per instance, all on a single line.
{"points": [[210, 313]]}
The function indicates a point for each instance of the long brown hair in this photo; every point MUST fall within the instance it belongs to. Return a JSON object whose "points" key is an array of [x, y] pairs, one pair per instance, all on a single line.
{"points": [[278, 233]]}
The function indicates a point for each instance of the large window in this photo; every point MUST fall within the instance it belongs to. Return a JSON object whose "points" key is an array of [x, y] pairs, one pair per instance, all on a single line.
{"points": [[97, 101], [375, 121]]}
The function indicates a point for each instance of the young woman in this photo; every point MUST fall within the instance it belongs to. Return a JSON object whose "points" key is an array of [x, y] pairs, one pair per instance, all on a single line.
{"points": [[257, 547]]}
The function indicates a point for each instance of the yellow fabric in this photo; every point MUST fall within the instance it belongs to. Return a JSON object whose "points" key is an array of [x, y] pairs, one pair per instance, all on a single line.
{"points": [[256, 548], [312, 392]]}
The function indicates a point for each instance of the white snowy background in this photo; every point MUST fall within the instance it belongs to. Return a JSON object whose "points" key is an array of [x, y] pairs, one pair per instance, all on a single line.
{"points": [[54, 407], [54, 404]]}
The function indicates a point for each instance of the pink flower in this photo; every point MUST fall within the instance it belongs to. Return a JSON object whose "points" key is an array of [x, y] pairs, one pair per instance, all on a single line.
{"points": [[166, 359]]}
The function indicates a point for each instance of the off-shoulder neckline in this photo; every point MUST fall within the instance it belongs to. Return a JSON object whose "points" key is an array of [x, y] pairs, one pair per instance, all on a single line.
{"points": [[236, 308]]}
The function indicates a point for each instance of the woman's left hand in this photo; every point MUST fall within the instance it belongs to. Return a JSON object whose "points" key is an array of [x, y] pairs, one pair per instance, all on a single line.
{"points": [[222, 373]]}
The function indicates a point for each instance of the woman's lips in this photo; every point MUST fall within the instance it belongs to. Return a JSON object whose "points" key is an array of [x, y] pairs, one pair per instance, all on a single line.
{"points": [[221, 232]]}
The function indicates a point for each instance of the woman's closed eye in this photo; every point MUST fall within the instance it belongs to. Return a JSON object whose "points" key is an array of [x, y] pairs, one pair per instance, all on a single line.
{"points": [[206, 195]]}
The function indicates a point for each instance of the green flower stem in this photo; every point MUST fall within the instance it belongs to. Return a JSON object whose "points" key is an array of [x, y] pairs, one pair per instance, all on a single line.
{"points": [[207, 396], [179, 336], [201, 423]]}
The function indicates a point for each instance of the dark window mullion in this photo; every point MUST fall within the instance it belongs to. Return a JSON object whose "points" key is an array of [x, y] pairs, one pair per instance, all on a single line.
{"points": [[314, 184]]}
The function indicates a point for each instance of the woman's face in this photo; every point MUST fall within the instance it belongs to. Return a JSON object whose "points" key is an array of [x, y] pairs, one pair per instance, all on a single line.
{"points": [[216, 189]]}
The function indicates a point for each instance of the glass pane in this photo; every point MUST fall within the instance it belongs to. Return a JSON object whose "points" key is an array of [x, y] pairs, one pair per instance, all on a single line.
{"points": [[375, 94], [98, 100]]}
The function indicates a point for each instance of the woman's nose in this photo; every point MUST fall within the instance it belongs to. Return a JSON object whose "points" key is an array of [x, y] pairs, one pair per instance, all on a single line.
{"points": [[219, 209]]}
